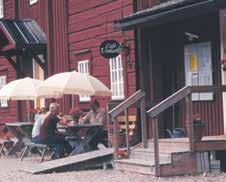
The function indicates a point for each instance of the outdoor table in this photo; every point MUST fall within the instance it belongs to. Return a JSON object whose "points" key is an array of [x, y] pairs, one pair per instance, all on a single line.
{"points": [[82, 143], [22, 131]]}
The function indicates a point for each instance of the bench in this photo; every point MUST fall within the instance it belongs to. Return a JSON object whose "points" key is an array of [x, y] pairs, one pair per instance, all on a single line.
{"points": [[42, 148], [132, 123], [3, 145]]}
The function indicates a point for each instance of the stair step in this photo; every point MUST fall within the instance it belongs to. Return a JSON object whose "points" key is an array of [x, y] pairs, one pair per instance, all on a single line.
{"points": [[148, 155], [138, 166]]}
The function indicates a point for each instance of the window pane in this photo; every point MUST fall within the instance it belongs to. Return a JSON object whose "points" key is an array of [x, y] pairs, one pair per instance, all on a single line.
{"points": [[83, 67], [3, 103], [116, 73]]}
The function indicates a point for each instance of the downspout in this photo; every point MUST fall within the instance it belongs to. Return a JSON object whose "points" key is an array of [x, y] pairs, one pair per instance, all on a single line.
{"points": [[136, 50], [50, 43], [18, 75]]}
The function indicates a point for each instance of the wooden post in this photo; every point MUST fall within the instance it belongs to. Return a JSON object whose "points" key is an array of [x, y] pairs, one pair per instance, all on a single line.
{"points": [[108, 124], [115, 137], [190, 122], [156, 146], [144, 122], [127, 131]]}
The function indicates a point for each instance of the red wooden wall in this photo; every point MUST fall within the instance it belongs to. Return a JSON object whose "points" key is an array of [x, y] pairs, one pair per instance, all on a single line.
{"points": [[90, 23], [9, 113], [70, 26]]}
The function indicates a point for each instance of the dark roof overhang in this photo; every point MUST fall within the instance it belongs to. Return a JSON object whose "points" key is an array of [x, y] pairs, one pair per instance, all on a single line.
{"points": [[19, 37], [169, 11]]}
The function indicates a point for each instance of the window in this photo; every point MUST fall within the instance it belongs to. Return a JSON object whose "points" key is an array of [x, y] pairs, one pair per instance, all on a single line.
{"points": [[117, 81], [3, 103], [198, 68], [1, 8], [33, 1], [83, 67]]}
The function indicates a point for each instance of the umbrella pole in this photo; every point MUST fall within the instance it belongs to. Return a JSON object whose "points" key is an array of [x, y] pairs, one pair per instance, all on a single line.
{"points": [[28, 107]]}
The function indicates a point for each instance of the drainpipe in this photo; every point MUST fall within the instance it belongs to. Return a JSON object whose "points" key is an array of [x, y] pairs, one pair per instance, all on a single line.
{"points": [[136, 49], [18, 75]]}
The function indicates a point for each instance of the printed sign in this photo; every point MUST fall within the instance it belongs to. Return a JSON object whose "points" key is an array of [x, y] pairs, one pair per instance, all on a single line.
{"points": [[109, 49], [194, 63]]}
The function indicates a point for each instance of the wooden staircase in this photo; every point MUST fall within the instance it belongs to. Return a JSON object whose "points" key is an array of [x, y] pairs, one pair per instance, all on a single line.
{"points": [[174, 159]]}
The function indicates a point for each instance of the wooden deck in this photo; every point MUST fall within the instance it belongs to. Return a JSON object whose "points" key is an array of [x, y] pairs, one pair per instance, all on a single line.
{"points": [[208, 143], [175, 157]]}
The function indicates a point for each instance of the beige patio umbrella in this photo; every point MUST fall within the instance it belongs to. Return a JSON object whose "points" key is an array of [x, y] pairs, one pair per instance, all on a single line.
{"points": [[73, 83], [21, 89]]}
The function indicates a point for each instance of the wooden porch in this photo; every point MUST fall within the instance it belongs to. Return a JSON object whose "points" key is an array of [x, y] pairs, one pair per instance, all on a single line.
{"points": [[167, 157], [175, 157]]}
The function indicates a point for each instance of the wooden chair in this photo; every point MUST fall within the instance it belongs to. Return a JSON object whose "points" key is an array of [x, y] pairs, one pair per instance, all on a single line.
{"points": [[3, 145], [42, 148], [132, 123]]}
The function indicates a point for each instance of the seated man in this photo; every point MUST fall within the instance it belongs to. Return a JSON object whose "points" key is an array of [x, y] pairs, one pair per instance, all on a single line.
{"points": [[48, 132], [96, 115], [37, 125]]}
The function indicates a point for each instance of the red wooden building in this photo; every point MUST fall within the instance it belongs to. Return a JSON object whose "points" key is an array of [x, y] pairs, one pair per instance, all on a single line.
{"points": [[74, 31], [181, 46], [181, 42]]}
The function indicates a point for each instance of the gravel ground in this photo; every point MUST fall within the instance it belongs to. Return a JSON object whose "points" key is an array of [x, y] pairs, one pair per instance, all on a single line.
{"points": [[10, 171]]}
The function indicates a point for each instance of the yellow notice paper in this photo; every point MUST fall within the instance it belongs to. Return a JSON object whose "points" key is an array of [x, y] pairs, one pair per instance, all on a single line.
{"points": [[194, 63]]}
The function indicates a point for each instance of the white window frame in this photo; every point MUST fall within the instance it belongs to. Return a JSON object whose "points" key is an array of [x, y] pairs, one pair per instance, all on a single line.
{"points": [[117, 78], [3, 103], [83, 67], [38, 73], [1, 8], [33, 2]]}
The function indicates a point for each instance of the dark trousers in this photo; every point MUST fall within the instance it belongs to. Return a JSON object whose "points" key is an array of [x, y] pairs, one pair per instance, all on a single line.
{"points": [[36, 140], [60, 144]]}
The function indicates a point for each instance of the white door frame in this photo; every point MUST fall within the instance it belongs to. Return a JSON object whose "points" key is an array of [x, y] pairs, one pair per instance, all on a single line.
{"points": [[223, 57]]}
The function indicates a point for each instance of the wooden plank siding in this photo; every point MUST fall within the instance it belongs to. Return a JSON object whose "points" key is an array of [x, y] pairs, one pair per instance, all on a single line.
{"points": [[210, 111], [89, 24], [52, 18], [70, 26], [9, 113]]}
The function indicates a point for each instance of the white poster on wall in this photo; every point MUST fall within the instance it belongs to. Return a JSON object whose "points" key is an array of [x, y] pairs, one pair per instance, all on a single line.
{"points": [[198, 68]]}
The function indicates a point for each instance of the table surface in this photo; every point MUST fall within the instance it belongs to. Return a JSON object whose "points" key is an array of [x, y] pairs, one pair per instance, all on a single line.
{"points": [[19, 124], [79, 126]]}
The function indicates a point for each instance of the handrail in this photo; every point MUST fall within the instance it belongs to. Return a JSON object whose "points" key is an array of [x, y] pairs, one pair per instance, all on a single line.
{"points": [[127, 103], [137, 97], [204, 89], [180, 94], [168, 102]]}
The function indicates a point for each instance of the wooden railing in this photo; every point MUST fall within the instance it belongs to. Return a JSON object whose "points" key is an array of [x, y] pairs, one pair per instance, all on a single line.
{"points": [[185, 92], [137, 98]]}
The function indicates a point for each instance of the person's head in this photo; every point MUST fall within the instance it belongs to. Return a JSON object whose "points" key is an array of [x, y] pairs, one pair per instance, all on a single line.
{"points": [[43, 110], [54, 108], [95, 105]]}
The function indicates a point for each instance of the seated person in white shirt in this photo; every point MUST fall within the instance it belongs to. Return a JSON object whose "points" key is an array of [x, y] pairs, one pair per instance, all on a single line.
{"points": [[96, 115], [37, 125]]}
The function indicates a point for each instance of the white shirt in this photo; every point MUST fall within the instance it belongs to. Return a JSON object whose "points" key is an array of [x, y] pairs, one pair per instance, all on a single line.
{"points": [[37, 126]]}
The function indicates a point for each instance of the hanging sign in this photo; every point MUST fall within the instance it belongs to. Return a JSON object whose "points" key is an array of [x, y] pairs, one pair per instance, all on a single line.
{"points": [[109, 49]]}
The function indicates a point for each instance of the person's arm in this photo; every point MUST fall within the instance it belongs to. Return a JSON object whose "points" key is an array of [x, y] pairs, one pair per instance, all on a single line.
{"points": [[85, 119], [102, 117]]}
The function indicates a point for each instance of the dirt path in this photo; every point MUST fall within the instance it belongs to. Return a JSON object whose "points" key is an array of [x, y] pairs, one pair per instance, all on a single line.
{"points": [[9, 172]]}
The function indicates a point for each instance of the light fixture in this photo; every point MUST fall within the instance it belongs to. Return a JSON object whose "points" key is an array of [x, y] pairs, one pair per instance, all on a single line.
{"points": [[191, 36]]}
